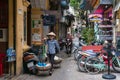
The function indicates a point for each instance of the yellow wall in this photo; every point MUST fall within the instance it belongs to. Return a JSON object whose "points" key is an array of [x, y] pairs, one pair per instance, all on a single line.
{"points": [[10, 28], [10, 39], [19, 36], [47, 4], [20, 8]]}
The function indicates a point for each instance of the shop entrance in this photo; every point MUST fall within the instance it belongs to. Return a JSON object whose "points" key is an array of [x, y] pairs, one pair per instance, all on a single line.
{"points": [[3, 33]]}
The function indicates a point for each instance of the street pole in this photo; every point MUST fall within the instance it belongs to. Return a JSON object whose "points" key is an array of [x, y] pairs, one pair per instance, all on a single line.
{"points": [[108, 75], [114, 36]]}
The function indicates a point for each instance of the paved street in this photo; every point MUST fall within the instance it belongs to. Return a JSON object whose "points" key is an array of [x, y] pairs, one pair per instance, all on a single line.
{"points": [[68, 71]]}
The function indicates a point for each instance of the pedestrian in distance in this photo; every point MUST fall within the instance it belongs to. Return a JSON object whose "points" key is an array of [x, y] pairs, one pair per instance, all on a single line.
{"points": [[69, 43], [52, 46]]}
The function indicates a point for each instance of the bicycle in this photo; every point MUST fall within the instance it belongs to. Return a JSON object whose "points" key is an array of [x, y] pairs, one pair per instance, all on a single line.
{"points": [[97, 64]]}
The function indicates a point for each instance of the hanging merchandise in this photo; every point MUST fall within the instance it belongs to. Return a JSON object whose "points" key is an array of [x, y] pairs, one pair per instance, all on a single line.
{"points": [[11, 55]]}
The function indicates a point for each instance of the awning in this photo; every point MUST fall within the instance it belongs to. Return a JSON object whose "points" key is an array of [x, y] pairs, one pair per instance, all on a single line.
{"points": [[117, 7], [101, 6]]}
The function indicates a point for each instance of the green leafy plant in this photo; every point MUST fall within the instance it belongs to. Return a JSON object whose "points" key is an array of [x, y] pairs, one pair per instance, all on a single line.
{"points": [[88, 34], [75, 3]]}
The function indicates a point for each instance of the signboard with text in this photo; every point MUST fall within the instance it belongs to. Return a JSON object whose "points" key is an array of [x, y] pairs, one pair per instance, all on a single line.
{"points": [[95, 17]]}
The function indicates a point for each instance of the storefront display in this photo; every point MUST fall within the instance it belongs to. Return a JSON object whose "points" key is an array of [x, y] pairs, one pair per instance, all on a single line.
{"points": [[36, 32]]}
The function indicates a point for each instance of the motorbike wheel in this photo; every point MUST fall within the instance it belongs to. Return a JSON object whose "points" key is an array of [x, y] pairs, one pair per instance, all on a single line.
{"points": [[50, 73], [68, 51], [81, 64], [116, 65], [34, 71], [91, 64], [76, 54]]}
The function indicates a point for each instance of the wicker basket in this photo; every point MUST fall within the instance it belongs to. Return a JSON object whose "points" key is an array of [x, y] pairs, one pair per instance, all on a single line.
{"points": [[57, 60]]}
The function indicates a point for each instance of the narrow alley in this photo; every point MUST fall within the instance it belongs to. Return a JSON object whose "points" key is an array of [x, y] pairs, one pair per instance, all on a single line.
{"points": [[67, 71]]}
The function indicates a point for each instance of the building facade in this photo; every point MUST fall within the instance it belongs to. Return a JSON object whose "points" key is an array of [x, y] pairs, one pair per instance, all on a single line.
{"points": [[20, 20]]}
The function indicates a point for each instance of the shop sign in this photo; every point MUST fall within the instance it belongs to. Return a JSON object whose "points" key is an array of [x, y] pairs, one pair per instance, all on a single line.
{"points": [[95, 17], [49, 20]]}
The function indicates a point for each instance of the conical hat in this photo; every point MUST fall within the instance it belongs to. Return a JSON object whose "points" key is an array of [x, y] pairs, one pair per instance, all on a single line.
{"points": [[51, 34]]}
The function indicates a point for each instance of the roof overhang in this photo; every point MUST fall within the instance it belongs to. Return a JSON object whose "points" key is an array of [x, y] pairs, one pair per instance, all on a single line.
{"points": [[104, 6]]}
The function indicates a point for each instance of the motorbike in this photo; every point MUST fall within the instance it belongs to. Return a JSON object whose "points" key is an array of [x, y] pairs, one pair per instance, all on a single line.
{"points": [[29, 62], [77, 49], [61, 43], [68, 44], [34, 62]]}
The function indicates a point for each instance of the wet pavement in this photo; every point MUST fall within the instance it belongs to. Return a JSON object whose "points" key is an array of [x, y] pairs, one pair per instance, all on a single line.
{"points": [[67, 71]]}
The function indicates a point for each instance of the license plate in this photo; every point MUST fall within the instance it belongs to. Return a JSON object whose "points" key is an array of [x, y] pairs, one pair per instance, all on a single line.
{"points": [[30, 64]]}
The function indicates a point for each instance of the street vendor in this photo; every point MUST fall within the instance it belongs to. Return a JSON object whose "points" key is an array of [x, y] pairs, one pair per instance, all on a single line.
{"points": [[52, 45]]}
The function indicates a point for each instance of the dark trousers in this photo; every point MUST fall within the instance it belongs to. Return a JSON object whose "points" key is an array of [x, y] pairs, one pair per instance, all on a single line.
{"points": [[51, 59]]}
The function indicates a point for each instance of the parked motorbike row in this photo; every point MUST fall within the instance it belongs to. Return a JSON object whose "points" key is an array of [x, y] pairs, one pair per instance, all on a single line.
{"points": [[34, 61], [94, 59]]}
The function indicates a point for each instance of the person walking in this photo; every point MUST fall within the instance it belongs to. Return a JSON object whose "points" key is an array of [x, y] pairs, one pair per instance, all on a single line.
{"points": [[69, 43], [52, 46]]}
